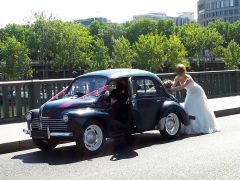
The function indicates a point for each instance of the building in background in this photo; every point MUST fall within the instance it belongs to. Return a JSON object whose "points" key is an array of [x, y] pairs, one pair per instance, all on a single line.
{"points": [[181, 19], [209, 10], [184, 18], [87, 22]]}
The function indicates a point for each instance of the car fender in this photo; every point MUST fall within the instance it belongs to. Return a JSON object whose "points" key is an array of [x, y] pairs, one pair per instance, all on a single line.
{"points": [[78, 118], [169, 106]]}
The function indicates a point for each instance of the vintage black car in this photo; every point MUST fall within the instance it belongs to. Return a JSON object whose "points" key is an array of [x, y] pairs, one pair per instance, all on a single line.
{"points": [[106, 104]]}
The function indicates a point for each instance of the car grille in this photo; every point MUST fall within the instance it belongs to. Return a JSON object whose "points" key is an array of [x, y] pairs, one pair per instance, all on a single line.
{"points": [[35, 124], [54, 125]]}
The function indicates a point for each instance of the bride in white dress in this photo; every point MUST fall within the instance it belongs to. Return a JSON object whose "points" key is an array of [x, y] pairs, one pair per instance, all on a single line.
{"points": [[196, 104]]}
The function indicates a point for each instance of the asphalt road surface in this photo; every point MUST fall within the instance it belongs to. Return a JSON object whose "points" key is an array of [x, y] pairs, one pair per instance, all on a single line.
{"points": [[149, 156]]}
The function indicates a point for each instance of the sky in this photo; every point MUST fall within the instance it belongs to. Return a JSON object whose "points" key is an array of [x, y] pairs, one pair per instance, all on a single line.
{"points": [[19, 11]]}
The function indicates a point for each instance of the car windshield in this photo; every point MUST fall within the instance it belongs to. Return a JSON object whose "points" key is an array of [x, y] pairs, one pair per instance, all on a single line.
{"points": [[87, 85]]}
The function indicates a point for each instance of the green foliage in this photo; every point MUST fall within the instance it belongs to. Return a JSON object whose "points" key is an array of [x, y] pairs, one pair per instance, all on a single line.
{"points": [[100, 58], [123, 54], [148, 44], [14, 60], [20, 32], [43, 38], [149, 52], [139, 27], [107, 32], [74, 49], [222, 27], [175, 52], [165, 27], [198, 39], [231, 55], [234, 30]]}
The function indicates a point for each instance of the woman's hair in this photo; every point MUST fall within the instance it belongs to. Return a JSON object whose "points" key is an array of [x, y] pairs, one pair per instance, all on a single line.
{"points": [[181, 69]]}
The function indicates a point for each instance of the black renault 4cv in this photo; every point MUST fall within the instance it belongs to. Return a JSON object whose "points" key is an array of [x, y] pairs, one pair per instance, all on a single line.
{"points": [[106, 104]]}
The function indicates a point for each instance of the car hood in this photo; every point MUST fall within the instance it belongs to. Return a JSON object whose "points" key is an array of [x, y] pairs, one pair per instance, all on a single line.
{"points": [[55, 109]]}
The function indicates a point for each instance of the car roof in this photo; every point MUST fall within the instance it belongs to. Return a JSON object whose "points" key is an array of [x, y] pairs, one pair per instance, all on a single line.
{"points": [[118, 73]]}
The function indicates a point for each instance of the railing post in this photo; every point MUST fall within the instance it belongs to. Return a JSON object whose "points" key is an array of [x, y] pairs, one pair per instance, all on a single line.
{"points": [[237, 81], [18, 100], [34, 95], [5, 102]]}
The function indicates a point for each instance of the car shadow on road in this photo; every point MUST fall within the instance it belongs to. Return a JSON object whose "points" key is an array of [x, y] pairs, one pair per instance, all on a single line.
{"points": [[122, 149]]}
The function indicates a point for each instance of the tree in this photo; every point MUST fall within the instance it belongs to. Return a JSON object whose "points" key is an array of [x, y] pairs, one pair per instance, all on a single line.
{"points": [[234, 30], [100, 56], [42, 40], [175, 52], [150, 54], [213, 43], [139, 27], [20, 32], [199, 41], [123, 54], [231, 55], [74, 47], [14, 60], [165, 27], [107, 32], [222, 27], [97, 28]]}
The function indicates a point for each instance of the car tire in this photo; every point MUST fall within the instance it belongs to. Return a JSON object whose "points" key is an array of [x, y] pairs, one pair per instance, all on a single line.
{"points": [[91, 139], [170, 127], [45, 144]]}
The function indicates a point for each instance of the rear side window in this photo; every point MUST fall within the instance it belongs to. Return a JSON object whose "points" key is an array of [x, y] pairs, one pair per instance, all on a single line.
{"points": [[144, 87]]}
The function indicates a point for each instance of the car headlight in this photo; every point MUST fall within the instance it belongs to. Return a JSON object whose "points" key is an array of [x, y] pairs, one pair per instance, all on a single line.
{"points": [[65, 118], [29, 116]]}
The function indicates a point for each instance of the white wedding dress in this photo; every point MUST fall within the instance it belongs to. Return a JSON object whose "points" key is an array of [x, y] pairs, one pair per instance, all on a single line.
{"points": [[196, 104]]}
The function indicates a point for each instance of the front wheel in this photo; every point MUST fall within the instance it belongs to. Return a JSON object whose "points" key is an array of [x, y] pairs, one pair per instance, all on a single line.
{"points": [[45, 144], [92, 138], [171, 126]]}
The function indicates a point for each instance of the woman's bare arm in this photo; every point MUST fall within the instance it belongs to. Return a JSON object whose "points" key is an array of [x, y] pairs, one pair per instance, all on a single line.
{"points": [[175, 82], [181, 87]]}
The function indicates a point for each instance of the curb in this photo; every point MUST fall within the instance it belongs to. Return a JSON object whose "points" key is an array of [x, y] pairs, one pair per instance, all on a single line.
{"points": [[16, 146], [227, 112], [28, 144]]}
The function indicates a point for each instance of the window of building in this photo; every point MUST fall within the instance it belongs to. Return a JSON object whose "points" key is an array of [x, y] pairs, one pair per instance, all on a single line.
{"points": [[213, 5], [236, 11], [236, 18], [236, 3], [231, 3], [222, 5], [230, 11], [226, 3], [200, 7]]}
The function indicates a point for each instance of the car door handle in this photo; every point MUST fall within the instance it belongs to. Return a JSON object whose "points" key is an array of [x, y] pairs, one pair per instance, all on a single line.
{"points": [[161, 99]]}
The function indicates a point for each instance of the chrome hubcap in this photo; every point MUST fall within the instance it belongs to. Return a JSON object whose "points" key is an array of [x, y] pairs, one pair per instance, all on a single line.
{"points": [[172, 124], [93, 137]]}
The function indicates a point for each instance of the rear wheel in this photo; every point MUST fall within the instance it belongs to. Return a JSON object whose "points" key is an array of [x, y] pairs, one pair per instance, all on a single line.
{"points": [[92, 138], [45, 144], [171, 126]]}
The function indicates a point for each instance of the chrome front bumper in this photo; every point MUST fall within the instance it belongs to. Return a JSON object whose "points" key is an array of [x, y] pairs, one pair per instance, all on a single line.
{"points": [[51, 134]]}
